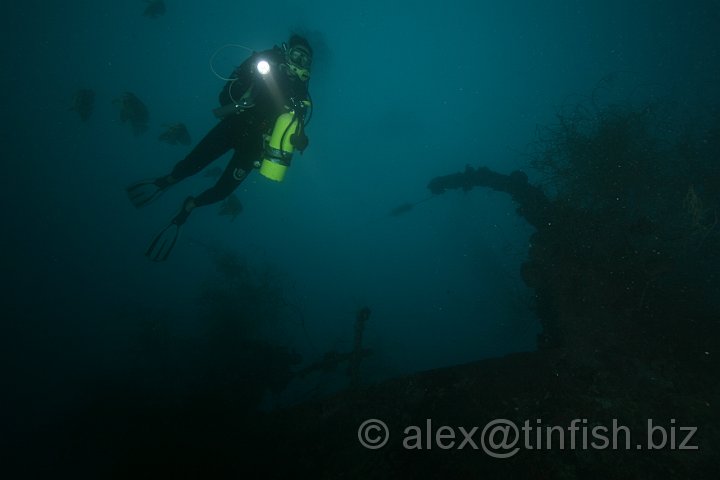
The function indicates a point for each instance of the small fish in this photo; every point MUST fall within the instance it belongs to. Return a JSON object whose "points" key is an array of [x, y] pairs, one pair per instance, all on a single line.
{"points": [[133, 110], [401, 209], [83, 103], [154, 9], [231, 207], [175, 134], [214, 172]]}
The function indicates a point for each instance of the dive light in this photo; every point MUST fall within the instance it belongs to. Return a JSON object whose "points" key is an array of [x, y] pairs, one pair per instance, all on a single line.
{"points": [[263, 67]]}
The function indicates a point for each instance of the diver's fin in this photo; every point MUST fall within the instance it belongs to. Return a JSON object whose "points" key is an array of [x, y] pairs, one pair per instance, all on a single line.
{"points": [[146, 191], [163, 243]]}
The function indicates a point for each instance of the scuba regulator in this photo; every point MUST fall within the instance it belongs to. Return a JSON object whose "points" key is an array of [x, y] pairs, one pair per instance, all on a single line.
{"points": [[287, 135]]}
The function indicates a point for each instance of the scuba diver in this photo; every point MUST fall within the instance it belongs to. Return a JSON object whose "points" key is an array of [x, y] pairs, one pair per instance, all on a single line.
{"points": [[263, 114]]}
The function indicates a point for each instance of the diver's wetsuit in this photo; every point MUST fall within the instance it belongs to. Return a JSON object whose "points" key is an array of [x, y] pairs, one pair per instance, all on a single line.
{"points": [[243, 131]]}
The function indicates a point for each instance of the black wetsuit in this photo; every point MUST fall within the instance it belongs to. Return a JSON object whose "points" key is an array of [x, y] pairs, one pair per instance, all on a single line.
{"points": [[243, 131]]}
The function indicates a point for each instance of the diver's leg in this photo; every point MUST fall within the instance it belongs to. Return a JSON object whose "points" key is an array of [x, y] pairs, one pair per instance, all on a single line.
{"points": [[213, 145], [236, 171]]}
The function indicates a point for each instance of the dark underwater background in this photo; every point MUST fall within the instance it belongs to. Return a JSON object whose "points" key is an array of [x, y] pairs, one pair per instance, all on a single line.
{"points": [[100, 343]]}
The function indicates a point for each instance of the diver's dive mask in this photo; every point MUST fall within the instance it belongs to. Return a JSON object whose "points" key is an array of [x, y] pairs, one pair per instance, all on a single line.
{"points": [[299, 61]]}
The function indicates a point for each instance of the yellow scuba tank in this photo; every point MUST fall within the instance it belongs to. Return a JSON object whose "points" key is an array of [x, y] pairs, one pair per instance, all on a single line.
{"points": [[278, 147]]}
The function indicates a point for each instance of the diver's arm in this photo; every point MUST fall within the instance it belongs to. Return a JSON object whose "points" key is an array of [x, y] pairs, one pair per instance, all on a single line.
{"points": [[243, 76], [240, 81]]}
